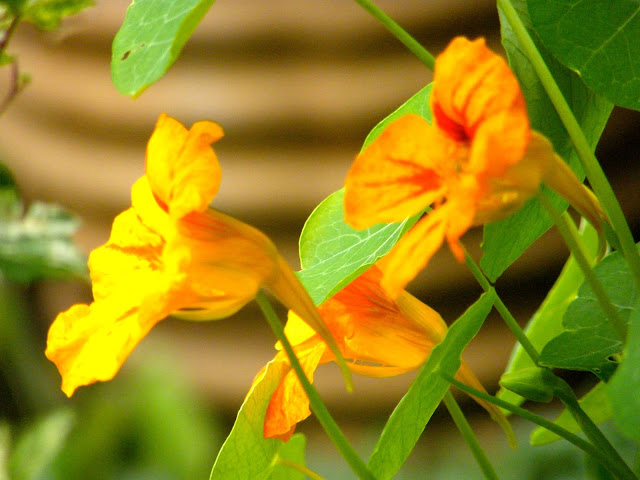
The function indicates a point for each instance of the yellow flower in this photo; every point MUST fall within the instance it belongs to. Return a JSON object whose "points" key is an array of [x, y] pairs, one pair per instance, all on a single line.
{"points": [[378, 337], [169, 254], [479, 162]]}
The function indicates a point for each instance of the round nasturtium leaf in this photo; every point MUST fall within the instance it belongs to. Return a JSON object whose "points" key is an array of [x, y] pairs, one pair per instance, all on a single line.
{"points": [[598, 40]]}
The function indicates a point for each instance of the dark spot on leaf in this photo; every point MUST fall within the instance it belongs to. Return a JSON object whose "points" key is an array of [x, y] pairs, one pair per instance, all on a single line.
{"points": [[613, 358], [126, 54]]}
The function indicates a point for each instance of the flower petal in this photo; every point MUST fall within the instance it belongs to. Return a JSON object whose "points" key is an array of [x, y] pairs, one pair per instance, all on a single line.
{"points": [[182, 168], [476, 97], [413, 251], [399, 174], [289, 403]]}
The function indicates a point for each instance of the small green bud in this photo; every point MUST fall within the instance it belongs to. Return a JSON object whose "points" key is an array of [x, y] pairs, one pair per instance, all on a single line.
{"points": [[531, 383]]}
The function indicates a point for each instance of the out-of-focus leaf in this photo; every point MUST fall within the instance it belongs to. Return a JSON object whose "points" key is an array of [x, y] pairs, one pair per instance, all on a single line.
{"points": [[595, 404], [546, 323], [246, 454], [412, 414], [624, 386], [147, 423], [333, 254], [589, 341], [598, 40], [47, 14], [505, 240], [37, 446], [38, 245], [293, 451], [151, 39]]}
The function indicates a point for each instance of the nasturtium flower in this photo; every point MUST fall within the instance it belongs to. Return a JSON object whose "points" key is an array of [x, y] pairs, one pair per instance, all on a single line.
{"points": [[479, 162], [169, 254], [378, 336]]}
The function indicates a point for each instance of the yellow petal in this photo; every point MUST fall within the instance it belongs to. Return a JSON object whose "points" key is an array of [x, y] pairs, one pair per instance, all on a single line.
{"points": [[89, 344], [182, 168], [399, 174]]}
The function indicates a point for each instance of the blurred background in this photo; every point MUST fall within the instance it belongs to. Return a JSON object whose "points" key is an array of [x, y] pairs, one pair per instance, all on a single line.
{"points": [[296, 87]]}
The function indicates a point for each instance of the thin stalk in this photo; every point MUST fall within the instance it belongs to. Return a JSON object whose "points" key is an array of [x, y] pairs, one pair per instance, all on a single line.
{"points": [[563, 391], [571, 239], [503, 310], [467, 433], [411, 43], [595, 174], [620, 471], [299, 468], [317, 406]]}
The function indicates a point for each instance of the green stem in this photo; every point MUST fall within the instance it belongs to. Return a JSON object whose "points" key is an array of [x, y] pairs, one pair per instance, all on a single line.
{"points": [[467, 433], [563, 391], [503, 310], [317, 406], [620, 471], [571, 238], [411, 43], [300, 468], [590, 163]]}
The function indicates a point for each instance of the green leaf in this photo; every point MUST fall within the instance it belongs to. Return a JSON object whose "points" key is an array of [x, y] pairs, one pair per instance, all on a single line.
{"points": [[39, 444], [599, 40], [505, 240], [47, 14], [595, 404], [546, 322], [40, 244], [151, 39], [292, 451], [624, 386], [246, 454], [412, 414], [589, 342], [418, 104], [333, 254]]}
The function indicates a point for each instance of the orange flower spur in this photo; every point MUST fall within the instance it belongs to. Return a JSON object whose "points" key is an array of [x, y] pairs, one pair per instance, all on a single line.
{"points": [[479, 162], [169, 254], [378, 337]]}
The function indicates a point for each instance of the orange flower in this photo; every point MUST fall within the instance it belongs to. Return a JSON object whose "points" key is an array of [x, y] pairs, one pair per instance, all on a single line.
{"points": [[169, 254], [378, 337], [479, 162]]}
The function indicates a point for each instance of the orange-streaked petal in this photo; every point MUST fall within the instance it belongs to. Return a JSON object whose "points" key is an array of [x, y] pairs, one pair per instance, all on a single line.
{"points": [[508, 193], [374, 336], [477, 98], [289, 403], [399, 174], [413, 251], [182, 168]]}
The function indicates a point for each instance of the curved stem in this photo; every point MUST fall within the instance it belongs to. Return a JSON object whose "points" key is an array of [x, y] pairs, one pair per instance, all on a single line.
{"points": [[589, 162], [621, 471], [411, 43], [503, 310], [317, 406], [568, 234], [563, 391], [467, 433]]}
